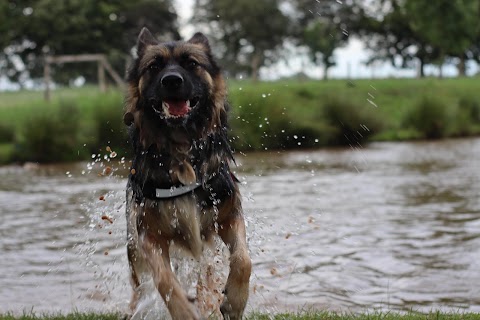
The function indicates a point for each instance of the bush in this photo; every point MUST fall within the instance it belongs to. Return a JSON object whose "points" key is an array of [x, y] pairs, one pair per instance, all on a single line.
{"points": [[51, 136], [299, 118], [349, 123], [7, 134], [471, 107], [466, 120], [109, 127], [71, 129], [429, 117], [267, 122]]}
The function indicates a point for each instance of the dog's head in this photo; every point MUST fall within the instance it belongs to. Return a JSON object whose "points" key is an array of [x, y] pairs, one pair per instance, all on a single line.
{"points": [[175, 84]]}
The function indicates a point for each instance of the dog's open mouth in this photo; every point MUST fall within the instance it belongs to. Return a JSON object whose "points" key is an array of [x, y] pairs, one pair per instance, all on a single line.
{"points": [[177, 108]]}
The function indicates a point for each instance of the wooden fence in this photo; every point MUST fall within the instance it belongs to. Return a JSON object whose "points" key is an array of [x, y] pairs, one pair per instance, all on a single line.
{"points": [[102, 63]]}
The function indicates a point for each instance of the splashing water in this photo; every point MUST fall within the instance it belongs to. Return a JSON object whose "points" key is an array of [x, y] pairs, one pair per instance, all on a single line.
{"points": [[204, 279]]}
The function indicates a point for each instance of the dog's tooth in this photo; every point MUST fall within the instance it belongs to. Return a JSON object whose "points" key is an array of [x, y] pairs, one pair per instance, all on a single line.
{"points": [[165, 109], [188, 103]]}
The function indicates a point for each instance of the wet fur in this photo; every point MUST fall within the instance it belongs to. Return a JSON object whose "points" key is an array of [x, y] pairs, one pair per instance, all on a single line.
{"points": [[174, 152]]}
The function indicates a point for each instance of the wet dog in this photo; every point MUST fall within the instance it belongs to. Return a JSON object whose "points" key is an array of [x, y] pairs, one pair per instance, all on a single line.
{"points": [[180, 188]]}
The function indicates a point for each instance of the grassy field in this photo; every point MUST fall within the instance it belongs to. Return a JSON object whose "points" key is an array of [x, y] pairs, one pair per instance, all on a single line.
{"points": [[314, 315], [265, 115]]}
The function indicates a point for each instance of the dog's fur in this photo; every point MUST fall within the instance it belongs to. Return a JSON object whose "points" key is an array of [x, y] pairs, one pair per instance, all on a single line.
{"points": [[176, 111]]}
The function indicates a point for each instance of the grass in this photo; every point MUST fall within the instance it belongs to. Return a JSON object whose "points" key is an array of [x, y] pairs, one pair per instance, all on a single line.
{"points": [[325, 315], [309, 315], [72, 316], [75, 124], [386, 103], [265, 115]]}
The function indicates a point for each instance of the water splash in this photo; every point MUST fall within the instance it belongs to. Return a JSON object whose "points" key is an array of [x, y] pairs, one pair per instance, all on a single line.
{"points": [[106, 259]]}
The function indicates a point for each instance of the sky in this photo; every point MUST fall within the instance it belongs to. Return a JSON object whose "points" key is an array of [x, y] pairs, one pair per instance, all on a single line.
{"points": [[350, 59]]}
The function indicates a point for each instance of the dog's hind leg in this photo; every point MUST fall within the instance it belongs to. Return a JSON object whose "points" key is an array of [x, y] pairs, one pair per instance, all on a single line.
{"points": [[157, 256], [236, 290]]}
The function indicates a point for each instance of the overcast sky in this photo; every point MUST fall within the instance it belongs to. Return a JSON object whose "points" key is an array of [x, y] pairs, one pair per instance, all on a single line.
{"points": [[350, 59]]}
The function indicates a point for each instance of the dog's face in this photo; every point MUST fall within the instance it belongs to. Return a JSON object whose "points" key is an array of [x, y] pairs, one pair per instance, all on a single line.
{"points": [[177, 83]]}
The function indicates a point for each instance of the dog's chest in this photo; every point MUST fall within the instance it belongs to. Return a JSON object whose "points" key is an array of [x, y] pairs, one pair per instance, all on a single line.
{"points": [[181, 219]]}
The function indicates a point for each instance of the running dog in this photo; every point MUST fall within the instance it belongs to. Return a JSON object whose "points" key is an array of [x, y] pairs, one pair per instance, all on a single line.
{"points": [[180, 188]]}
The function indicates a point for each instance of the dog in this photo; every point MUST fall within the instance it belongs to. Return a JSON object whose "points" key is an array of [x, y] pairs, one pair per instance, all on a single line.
{"points": [[180, 188]]}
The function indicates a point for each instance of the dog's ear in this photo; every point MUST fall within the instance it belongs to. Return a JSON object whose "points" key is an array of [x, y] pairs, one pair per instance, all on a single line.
{"points": [[145, 38], [201, 39]]}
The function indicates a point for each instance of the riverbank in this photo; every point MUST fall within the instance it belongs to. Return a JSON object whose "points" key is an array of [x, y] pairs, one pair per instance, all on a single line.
{"points": [[265, 116], [311, 315]]}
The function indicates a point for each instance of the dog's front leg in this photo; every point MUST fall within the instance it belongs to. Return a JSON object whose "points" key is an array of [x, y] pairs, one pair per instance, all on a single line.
{"points": [[157, 256], [236, 289]]}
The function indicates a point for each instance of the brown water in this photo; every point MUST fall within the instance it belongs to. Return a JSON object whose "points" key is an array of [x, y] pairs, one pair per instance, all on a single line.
{"points": [[389, 226]]}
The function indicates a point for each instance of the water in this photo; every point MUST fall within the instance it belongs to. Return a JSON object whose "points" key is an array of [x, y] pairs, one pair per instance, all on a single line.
{"points": [[392, 226]]}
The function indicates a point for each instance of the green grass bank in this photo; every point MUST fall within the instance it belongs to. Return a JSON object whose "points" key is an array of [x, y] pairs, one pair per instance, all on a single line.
{"points": [[313, 315], [266, 115]]}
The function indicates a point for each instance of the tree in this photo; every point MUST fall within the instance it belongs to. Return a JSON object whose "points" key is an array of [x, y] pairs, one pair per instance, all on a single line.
{"points": [[384, 26], [249, 32], [342, 14], [322, 26], [322, 39], [449, 26], [38, 27], [407, 31]]}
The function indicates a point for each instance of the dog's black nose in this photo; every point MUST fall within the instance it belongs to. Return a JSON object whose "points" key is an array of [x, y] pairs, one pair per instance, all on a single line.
{"points": [[172, 80]]}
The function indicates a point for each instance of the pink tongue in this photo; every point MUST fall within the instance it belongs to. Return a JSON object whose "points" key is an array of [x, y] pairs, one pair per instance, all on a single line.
{"points": [[177, 107]]}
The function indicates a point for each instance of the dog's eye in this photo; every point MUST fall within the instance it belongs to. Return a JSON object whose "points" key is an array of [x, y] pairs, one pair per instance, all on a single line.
{"points": [[154, 67], [191, 64]]}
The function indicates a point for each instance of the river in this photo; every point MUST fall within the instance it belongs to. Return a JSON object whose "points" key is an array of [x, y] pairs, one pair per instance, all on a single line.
{"points": [[390, 226]]}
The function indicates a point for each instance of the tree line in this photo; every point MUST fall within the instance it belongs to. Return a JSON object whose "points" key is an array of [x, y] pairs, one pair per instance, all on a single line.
{"points": [[246, 34]]}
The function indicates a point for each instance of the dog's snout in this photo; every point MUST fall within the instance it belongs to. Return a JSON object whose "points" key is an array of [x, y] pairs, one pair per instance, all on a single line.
{"points": [[172, 80]]}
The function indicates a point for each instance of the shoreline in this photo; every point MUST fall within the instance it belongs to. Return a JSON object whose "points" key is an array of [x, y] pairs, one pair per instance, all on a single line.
{"points": [[264, 116]]}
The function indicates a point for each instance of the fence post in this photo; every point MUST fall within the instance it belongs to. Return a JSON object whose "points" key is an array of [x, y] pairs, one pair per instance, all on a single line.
{"points": [[102, 67], [101, 76], [46, 76]]}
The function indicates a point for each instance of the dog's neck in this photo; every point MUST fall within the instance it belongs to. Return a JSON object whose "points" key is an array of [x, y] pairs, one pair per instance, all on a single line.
{"points": [[176, 158]]}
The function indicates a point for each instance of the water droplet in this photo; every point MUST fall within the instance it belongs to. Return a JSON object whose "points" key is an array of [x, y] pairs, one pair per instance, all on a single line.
{"points": [[372, 103], [364, 127]]}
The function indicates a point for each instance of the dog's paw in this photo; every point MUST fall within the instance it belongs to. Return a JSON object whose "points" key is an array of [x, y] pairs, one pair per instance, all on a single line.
{"points": [[125, 316], [185, 312], [228, 312]]}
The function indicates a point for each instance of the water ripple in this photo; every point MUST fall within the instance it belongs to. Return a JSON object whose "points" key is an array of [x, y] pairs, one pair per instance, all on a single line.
{"points": [[394, 226]]}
